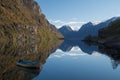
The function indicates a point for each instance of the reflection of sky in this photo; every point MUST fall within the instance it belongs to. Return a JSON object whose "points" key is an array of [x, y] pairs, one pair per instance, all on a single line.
{"points": [[75, 52], [77, 65]]}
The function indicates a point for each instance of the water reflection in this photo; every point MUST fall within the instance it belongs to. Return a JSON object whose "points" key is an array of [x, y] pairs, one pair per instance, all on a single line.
{"points": [[40, 51], [91, 48], [32, 51], [67, 45], [112, 53]]}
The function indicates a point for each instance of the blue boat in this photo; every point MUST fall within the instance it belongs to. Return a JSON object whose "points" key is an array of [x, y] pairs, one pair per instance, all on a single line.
{"points": [[28, 64]]}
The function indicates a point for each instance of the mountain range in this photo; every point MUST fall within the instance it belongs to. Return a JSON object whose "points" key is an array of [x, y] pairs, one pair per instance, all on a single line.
{"points": [[85, 30]]}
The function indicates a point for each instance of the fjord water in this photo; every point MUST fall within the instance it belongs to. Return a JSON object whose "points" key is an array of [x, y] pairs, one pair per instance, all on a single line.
{"points": [[62, 60], [74, 60]]}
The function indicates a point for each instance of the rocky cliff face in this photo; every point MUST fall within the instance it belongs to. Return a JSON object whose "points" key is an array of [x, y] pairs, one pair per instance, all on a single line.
{"points": [[25, 34], [22, 20]]}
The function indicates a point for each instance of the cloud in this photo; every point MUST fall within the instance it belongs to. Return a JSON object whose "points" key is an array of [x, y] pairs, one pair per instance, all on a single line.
{"points": [[75, 25], [75, 52], [74, 22], [76, 49], [76, 28], [96, 22], [71, 54], [56, 21], [95, 53], [118, 15]]}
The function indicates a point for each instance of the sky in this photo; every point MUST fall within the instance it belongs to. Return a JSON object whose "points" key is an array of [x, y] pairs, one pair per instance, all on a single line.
{"points": [[78, 12]]}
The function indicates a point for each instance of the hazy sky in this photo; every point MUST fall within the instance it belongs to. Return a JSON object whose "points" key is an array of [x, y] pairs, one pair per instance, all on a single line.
{"points": [[77, 12]]}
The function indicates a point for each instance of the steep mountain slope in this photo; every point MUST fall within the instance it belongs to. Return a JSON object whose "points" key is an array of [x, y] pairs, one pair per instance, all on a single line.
{"points": [[22, 20], [65, 29], [67, 32], [86, 29], [112, 31], [90, 29]]}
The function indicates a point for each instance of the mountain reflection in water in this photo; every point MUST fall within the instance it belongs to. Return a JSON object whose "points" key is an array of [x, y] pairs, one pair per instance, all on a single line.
{"points": [[39, 52], [32, 51], [90, 48]]}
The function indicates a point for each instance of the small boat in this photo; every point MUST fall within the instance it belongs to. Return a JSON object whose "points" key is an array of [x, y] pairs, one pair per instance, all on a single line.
{"points": [[28, 64]]}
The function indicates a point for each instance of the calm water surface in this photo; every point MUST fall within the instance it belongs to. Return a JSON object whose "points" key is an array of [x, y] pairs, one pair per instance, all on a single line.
{"points": [[73, 63], [67, 60]]}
